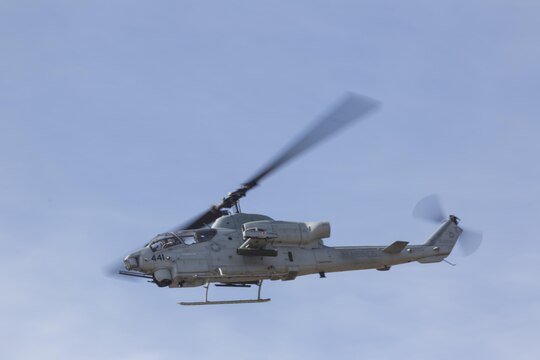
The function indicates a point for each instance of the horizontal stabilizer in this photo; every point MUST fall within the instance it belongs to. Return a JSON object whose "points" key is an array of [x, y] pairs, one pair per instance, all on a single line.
{"points": [[396, 247]]}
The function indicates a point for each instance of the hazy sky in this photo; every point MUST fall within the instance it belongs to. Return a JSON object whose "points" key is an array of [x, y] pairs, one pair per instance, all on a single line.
{"points": [[122, 119]]}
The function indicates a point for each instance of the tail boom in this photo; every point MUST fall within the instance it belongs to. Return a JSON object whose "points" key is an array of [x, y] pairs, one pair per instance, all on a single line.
{"points": [[435, 249]]}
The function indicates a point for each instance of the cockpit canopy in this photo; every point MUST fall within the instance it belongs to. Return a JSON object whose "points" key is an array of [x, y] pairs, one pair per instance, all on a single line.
{"points": [[183, 237]]}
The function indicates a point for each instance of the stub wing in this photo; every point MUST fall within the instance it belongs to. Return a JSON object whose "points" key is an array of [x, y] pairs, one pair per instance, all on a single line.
{"points": [[255, 247]]}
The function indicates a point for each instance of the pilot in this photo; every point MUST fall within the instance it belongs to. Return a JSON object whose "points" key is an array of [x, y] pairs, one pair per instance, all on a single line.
{"points": [[156, 246], [168, 243]]}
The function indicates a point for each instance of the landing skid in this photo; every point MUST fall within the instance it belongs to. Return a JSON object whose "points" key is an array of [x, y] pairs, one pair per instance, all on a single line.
{"points": [[226, 302]]}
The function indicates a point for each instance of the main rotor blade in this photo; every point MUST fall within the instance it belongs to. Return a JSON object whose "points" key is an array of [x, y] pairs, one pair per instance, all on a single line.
{"points": [[206, 218], [350, 108]]}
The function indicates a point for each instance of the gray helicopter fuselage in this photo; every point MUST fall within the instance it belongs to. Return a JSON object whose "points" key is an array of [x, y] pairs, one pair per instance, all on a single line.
{"points": [[215, 257], [241, 250]]}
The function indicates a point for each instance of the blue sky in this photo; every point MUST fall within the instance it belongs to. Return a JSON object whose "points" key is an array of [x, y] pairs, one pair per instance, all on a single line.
{"points": [[121, 119]]}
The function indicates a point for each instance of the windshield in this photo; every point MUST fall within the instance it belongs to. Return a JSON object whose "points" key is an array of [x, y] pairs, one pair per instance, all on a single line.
{"points": [[184, 237]]}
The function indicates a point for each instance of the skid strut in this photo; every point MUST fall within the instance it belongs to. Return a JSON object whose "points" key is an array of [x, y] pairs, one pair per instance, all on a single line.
{"points": [[225, 302]]}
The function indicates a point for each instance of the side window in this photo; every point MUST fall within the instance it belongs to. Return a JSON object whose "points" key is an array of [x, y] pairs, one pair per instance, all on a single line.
{"points": [[189, 240], [155, 246], [205, 234]]}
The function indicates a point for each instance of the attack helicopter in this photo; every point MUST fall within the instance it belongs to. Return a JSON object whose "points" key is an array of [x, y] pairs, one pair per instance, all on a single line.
{"points": [[226, 247]]}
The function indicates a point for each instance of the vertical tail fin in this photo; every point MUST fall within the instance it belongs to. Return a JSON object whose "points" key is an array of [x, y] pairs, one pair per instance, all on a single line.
{"points": [[443, 239]]}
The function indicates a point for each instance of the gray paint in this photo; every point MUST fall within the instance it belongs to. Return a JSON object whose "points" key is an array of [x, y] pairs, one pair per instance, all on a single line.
{"points": [[216, 260]]}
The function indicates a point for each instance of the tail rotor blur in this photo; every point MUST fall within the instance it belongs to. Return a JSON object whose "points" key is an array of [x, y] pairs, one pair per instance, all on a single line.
{"points": [[470, 241], [430, 209]]}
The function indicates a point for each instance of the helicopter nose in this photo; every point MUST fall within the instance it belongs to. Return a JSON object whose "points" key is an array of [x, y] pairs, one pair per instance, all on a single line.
{"points": [[131, 262]]}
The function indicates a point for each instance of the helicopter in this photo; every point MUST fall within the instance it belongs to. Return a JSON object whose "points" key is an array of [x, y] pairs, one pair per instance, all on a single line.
{"points": [[228, 248]]}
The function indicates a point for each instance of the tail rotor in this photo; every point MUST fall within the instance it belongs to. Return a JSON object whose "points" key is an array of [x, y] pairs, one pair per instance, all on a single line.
{"points": [[430, 209]]}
